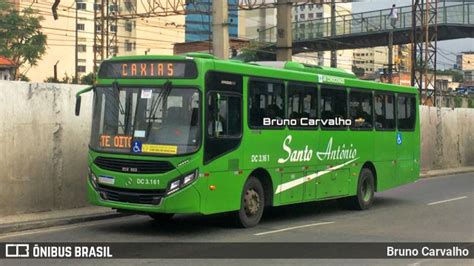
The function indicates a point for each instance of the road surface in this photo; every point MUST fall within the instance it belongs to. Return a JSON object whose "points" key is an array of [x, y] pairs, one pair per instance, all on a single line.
{"points": [[438, 209]]}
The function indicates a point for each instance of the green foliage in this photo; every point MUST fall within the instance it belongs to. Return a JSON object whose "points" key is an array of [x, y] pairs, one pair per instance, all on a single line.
{"points": [[66, 79], [23, 77], [88, 79], [470, 103], [458, 102], [21, 38], [254, 52], [358, 71], [458, 76]]}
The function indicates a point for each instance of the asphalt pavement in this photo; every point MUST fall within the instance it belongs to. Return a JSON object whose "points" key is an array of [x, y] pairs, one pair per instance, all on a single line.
{"points": [[438, 209]]}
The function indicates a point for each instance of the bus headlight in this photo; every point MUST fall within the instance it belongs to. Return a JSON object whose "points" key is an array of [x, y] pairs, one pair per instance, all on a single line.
{"points": [[93, 179], [181, 182]]}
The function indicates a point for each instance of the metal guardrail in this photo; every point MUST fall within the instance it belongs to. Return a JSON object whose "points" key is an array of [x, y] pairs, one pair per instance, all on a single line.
{"points": [[371, 21]]}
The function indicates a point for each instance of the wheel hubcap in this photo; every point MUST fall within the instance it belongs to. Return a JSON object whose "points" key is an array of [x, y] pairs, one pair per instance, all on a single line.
{"points": [[251, 202], [366, 190]]}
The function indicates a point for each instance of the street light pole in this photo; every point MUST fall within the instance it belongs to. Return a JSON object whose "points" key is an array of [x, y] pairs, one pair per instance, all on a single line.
{"points": [[76, 51]]}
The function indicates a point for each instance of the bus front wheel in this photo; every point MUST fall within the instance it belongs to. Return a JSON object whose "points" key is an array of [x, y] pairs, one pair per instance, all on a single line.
{"points": [[251, 204], [365, 192]]}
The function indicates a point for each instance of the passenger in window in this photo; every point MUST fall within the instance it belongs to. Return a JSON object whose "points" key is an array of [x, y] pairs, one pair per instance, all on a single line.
{"points": [[274, 112], [214, 126]]}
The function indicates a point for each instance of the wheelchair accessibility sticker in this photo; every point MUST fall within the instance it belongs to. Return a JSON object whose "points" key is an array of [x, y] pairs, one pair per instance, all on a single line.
{"points": [[399, 138], [136, 146]]}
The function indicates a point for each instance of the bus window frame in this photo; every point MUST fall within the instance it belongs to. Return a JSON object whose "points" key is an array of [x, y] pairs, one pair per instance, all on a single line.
{"points": [[368, 91], [205, 134], [392, 93], [304, 84], [206, 115], [269, 80], [416, 111], [335, 87]]}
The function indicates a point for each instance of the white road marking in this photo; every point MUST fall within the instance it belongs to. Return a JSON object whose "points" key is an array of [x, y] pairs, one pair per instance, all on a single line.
{"points": [[448, 200], [291, 228]]}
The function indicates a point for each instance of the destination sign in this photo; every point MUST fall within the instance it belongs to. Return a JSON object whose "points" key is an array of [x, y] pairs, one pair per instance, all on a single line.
{"points": [[154, 69]]}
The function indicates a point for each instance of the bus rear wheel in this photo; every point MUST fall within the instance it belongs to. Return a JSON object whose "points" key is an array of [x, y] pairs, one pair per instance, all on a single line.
{"points": [[365, 192], [251, 204]]}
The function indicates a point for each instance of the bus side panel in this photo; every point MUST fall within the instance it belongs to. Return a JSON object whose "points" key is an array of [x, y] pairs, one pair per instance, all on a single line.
{"points": [[223, 174], [405, 160], [385, 162], [363, 141], [340, 182]]}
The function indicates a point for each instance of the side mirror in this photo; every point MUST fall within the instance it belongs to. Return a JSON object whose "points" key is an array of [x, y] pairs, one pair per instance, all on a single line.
{"points": [[78, 105]]}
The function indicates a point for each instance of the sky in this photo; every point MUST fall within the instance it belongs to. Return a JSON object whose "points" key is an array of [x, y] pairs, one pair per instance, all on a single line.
{"points": [[448, 49]]}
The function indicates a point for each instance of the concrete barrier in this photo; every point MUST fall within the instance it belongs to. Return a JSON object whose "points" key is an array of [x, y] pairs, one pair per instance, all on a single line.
{"points": [[43, 146], [447, 137]]}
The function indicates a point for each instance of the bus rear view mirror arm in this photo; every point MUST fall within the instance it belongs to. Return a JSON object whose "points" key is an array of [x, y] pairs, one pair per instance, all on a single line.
{"points": [[78, 99]]}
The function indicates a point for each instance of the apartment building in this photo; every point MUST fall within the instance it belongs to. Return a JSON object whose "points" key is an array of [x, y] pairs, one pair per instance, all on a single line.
{"points": [[152, 35]]}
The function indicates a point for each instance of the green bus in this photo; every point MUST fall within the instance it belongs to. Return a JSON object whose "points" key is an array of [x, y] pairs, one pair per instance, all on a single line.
{"points": [[196, 134]]}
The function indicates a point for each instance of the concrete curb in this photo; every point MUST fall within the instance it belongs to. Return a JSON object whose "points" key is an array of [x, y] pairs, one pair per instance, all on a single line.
{"points": [[441, 172], [38, 224]]}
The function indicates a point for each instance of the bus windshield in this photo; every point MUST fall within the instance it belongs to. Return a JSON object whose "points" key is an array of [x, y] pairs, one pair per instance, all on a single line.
{"points": [[163, 120]]}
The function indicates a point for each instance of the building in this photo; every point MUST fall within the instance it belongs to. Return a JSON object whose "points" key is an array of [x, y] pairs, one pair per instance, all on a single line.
{"points": [[152, 35], [253, 22], [371, 59], [199, 20], [6, 67], [465, 62]]}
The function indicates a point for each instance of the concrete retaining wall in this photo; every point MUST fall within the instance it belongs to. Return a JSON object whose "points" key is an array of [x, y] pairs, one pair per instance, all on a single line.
{"points": [[43, 145], [447, 137]]}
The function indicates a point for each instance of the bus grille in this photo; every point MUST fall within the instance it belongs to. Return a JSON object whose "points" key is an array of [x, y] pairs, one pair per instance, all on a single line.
{"points": [[140, 196], [133, 166]]}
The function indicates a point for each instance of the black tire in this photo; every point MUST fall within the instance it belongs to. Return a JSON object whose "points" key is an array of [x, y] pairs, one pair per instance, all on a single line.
{"points": [[365, 193], [161, 217], [252, 202]]}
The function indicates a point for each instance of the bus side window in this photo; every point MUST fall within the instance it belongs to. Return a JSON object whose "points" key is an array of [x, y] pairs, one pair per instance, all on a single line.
{"points": [[266, 100], [384, 111], [361, 109], [406, 112], [302, 101], [224, 119], [333, 103]]}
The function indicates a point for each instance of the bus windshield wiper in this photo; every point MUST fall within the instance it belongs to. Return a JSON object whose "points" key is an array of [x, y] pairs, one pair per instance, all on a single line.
{"points": [[156, 103], [116, 87]]}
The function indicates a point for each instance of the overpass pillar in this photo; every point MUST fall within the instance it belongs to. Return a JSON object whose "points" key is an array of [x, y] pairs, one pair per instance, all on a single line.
{"points": [[333, 33], [220, 29], [284, 35]]}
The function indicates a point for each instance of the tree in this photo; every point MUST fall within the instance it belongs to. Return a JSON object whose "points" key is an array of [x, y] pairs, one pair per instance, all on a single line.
{"points": [[88, 79], [358, 71], [21, 39]]}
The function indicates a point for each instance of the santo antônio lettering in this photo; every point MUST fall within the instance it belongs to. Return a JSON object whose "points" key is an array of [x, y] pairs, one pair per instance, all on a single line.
{"points": [[147, 69]]}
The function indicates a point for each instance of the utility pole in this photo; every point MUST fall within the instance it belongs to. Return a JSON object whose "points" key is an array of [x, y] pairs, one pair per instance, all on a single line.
{"points": [[284, 35], [333, 33], [220, 26], [55, 72], [390, 56], [76, 73], [262, 24]]}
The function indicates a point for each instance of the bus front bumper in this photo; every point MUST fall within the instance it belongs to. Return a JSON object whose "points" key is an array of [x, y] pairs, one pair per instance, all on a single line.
{"points": [[187, 200]]}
